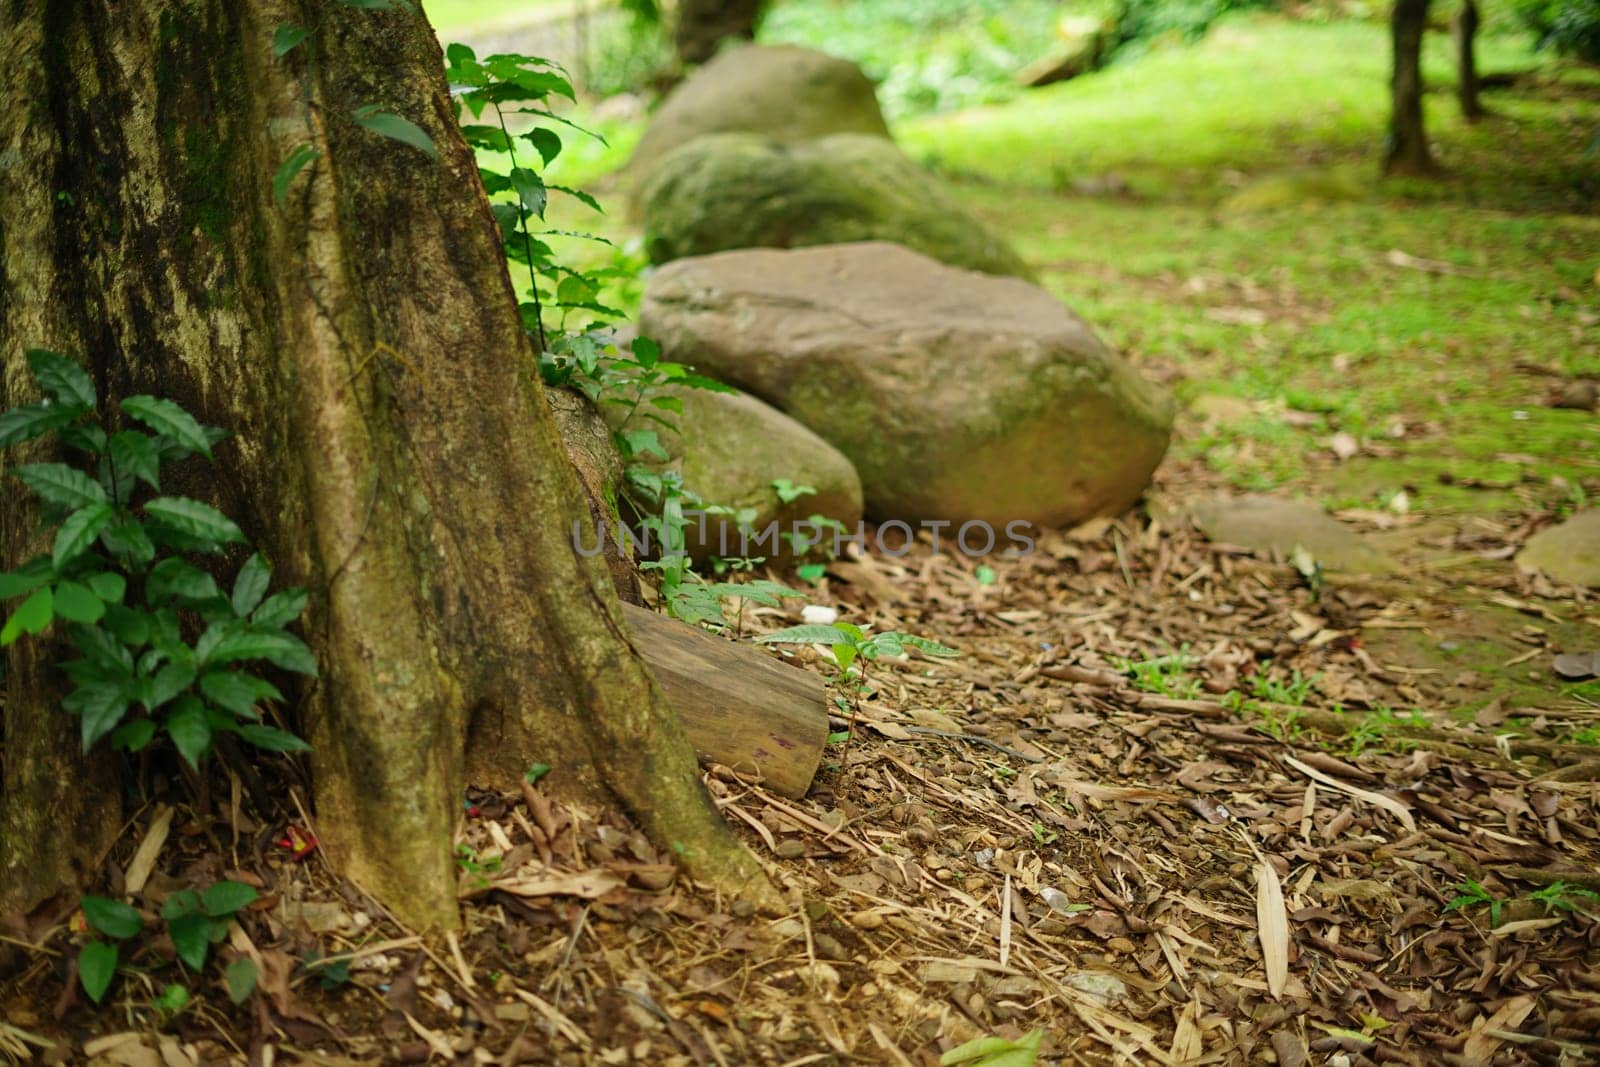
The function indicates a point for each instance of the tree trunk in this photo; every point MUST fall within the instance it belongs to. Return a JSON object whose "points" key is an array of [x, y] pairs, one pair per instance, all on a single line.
{"points": [[1408, 142], [702, 25], [394, 451], [1466, 33]]}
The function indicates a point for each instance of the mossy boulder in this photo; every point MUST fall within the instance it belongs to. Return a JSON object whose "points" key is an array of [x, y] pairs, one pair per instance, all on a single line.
{"points": [[728, 191], [782, 92], [731, 450], [1568, 552], [957, 395]]}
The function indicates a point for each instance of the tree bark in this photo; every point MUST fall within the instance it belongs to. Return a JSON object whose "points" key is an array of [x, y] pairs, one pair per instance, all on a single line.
{"points": [[1466, 35], [702, 25], [394, 451], [1408, 152]]}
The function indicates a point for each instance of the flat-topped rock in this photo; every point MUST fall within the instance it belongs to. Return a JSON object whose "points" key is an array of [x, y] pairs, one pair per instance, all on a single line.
{"points": [[957, 395], [737, 190], [782, 92], [1568, 552], [1276, 526]]}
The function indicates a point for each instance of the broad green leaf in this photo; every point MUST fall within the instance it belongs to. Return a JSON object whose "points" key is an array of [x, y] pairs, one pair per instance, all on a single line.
{"points": [[58, 483], [34, 420], [168, 682], [191, 936], [100, 705], [104, 648], [276, 647], [108, 586], [133, 736], [237, 692], [173, 999], [176, 579], [240, 978], [392, 126], [530, 190], [63, 379], [76, 602], [297, 161], [78, 531], [190, 731], [643, 442], [578, 194], [810, 634], [97, 965], [645, 351], [250, 585], [169, 420], [31, 616], [193, 518], [286, 38], [134, 455], [126, 538], [995, 1052], [225, 898], [85, 437], [280, 609], [931, 648], [271, 739], [547, 142], [26, 578], [131, 626], [112, 917], [183, 902]]}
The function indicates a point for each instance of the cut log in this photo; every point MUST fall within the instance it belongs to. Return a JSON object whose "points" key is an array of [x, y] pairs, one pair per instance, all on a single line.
{"points": [[740, 706]]}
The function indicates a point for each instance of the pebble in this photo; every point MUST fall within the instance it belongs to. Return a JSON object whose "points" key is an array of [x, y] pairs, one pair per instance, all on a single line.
{"points": [[866, 920], [791, 848]]}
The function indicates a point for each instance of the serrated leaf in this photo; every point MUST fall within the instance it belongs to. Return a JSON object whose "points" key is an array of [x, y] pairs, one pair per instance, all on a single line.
{"points": [[126, 537], [97, 965], [190, 731], [280, 609], [58, 483], [34, 420], [250, 585], [194, 519], [130, 626], [191, 936], [169, 420], [85, 437], [240, 977], [810, 634], [276, 647], [286, 39], [112, 917], [100, 705], [78, 531], [63, 379], [396, 128], [271, 739], [135, 455], [104, 648], [288, 169], [237, 692], [31, 616], [76, 602], [168, 682], [226, 898]]}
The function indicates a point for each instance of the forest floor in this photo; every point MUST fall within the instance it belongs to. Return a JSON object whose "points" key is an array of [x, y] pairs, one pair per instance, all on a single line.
{"points": [[1173, 803]]}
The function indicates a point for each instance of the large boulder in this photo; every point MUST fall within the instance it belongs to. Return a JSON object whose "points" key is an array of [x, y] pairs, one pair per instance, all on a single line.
{"points": [[740, 190], [778, 91], [731, 450], [957, 395]]}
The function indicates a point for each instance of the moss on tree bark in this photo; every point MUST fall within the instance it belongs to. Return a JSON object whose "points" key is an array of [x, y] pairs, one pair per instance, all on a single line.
{"points": [[394, 450]]}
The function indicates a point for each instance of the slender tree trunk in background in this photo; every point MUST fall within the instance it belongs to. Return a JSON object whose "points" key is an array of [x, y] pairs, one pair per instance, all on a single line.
{"points": [[1466, 34], [1408, 141], [702, 25], [394, 451]]}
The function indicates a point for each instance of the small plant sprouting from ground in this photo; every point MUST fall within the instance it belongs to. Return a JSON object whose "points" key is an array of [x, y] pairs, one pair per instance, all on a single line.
{"points": [[117, 577], [1376, 731], [1471, 894], [853, 649], [1294, 691], [996, 1052], [1164, 675], [194, 922], [1568, 899]]}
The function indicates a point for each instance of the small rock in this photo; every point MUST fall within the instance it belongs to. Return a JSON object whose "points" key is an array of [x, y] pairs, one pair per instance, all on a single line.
{"points": [[1567, 553], [1277, 526], [866, 920], [1580, 395], [743, 909], [791, 848]]}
